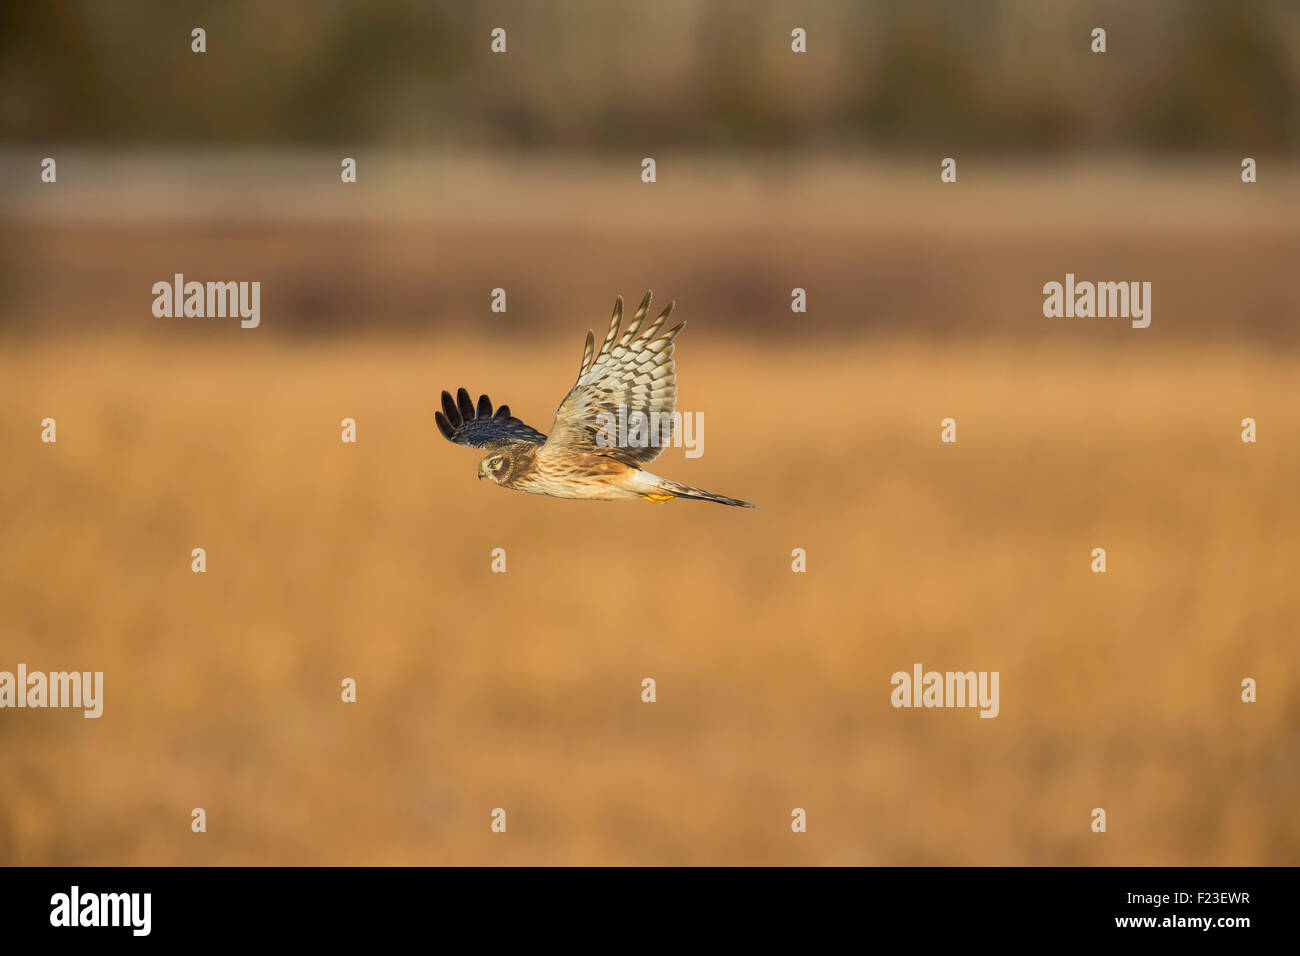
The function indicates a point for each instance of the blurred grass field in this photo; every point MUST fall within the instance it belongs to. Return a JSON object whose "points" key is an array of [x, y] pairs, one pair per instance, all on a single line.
{"points": [[522, 690]]}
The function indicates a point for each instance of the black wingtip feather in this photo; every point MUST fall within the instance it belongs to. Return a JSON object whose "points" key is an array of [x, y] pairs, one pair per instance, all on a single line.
{"points": [[444, 426], [465, 402], [484, 409], [449, 408]]}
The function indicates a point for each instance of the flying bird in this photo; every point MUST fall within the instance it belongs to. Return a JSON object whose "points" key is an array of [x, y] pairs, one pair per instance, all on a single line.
{"points": [[632, 374]]}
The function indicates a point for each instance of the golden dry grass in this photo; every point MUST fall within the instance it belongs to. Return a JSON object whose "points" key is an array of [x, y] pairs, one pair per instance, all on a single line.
{"points": [[480, 690]]}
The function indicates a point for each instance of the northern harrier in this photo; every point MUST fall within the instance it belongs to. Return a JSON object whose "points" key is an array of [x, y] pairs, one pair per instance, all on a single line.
{"points": [[632, 374]]}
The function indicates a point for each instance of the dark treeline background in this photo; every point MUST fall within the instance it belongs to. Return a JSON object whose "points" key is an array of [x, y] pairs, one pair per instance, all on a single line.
{"points": [[591, 74], [775, 170]]}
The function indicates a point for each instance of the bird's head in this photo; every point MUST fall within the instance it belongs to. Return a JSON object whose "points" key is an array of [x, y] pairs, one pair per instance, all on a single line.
{"points": [[498, 466]]}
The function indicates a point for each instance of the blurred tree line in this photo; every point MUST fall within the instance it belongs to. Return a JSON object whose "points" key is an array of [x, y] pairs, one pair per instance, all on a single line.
{"points": [[594, 74]]}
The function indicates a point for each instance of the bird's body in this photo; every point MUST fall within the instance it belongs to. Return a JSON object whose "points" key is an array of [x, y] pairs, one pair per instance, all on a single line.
{"points": [[579, 459], [531, 469]]}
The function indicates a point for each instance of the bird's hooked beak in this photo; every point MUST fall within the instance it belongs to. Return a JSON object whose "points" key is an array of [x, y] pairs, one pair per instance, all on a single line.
{"points": [[480, 471]]}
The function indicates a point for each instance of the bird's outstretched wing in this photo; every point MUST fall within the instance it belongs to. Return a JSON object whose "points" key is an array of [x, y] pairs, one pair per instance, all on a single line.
{"points": [[632, 374], [466, 424]]}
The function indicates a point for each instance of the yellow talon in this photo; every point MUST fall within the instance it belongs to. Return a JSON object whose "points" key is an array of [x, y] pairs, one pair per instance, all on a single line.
{"points": [[653, 497]]}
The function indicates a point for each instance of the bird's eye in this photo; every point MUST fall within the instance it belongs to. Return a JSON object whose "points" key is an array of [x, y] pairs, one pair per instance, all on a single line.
{"points": [[496, 463]]}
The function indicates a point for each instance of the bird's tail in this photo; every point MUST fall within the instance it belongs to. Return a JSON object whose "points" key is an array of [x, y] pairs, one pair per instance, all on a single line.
{"points": [[662, 489]]}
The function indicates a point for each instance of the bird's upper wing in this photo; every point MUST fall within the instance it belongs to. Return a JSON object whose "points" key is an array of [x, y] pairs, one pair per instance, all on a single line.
{"points": [[632, 373], [465, 424]]}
